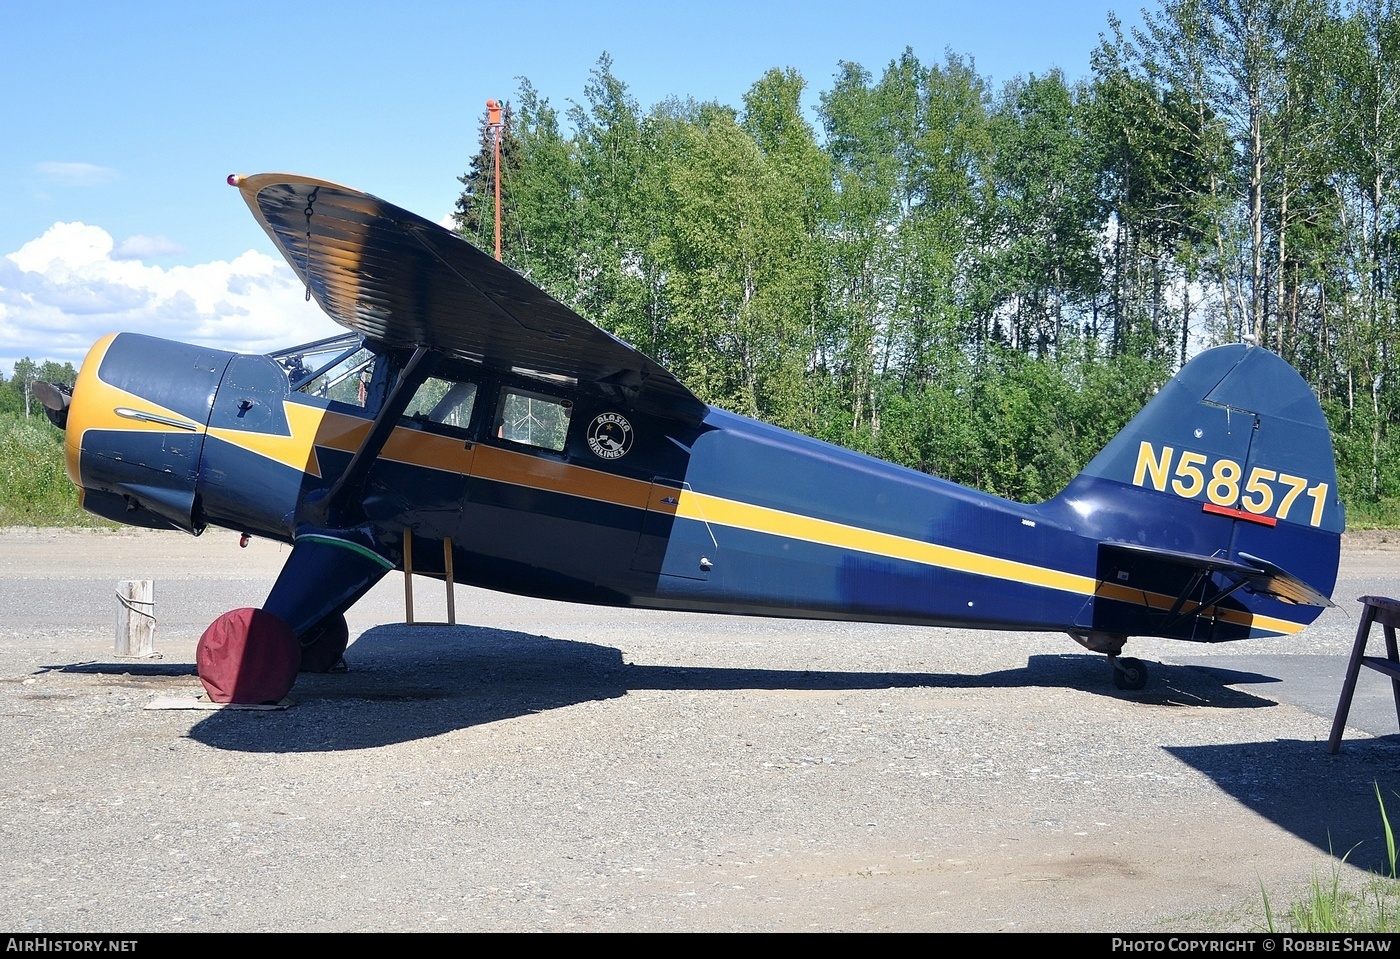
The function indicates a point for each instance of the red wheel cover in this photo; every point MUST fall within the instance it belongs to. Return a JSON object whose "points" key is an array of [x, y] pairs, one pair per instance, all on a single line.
{"points": [[248, 656]]}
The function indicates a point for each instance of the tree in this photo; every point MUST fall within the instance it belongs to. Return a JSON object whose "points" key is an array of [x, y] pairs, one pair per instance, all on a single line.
{"points": [[25, 373], [1367, 157], [1045, 217], [797, 177], [904, 154], [1157, 155], [543, 198], [610, 151], [11, 397]]}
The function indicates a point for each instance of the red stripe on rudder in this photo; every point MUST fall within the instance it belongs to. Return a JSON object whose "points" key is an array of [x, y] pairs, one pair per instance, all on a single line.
{"points": [[1239, 514]]}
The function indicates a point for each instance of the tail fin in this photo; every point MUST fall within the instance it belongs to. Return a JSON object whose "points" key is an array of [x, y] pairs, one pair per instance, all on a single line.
{"points": [[1216, 508]]}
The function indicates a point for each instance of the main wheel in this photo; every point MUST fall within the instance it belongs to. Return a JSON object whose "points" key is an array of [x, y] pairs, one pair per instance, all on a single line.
{"points": [[248, 656], [1129, 673], [324, 644]]}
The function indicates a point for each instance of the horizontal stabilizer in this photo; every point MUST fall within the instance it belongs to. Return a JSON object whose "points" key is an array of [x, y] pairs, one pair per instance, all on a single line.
{"points": [[1274, 581], [1250, 573]]}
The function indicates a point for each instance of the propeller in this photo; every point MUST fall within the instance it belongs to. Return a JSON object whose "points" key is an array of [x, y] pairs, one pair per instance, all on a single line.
{"points": [[55, 397]]}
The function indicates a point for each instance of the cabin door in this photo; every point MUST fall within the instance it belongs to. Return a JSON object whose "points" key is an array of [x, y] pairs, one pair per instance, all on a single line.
{"points": [[675, 541]]}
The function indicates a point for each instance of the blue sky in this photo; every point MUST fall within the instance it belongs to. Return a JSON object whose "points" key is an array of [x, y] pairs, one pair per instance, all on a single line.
{"points": [[125, 117]]}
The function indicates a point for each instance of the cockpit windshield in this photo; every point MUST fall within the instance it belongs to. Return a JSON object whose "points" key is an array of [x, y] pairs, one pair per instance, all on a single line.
{"points": [[336, 369]]}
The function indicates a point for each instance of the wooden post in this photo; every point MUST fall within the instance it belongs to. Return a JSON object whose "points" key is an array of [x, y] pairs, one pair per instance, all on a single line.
{"points": [[136, 618], [447, 566], [408, 576]]}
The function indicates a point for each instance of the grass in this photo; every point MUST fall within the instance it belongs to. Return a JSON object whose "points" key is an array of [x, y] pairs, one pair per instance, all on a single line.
{"points": [[1328, 907], [1384, 513], [34, 485]]}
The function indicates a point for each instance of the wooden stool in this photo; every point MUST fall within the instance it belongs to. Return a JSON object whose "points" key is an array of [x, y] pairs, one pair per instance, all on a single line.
{"points": [[1378, 609]]}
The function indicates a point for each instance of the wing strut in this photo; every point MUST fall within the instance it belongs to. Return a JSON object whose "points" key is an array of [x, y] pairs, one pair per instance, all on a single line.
{"points": [[331, 510]]}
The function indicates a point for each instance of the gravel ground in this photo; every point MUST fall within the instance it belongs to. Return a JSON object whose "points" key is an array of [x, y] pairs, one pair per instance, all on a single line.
{"points": [[556, 767]]}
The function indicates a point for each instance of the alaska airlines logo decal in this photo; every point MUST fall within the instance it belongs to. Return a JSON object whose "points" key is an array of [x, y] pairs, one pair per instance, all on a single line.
{"points": [[1266, 496], [610, 436]]}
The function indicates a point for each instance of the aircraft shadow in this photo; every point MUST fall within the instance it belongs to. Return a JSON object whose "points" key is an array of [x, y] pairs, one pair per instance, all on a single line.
{"points": [[1327, 801], [415, 682]]}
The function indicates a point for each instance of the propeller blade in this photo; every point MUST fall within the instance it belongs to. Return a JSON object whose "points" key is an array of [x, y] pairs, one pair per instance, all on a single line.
{"points": [[55, 397]]}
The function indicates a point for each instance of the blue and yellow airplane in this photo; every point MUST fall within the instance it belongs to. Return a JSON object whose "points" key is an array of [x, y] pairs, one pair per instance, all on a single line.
{"points": [[473, 427]]}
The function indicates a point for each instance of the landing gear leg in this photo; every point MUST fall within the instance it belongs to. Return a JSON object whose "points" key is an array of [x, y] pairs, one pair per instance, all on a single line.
{"points": [[1128, 673]]}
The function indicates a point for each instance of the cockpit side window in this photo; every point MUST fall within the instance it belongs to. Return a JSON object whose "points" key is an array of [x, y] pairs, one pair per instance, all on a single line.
{"points": [[444, 402]]}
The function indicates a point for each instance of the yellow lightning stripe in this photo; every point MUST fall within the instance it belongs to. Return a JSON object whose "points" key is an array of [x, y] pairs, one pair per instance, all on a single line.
{"points": [[725, 512], [312, 427], [297, 448]]}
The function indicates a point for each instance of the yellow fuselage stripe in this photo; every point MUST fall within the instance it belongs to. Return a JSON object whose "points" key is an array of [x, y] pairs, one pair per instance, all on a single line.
{"points": [[724, 512]]}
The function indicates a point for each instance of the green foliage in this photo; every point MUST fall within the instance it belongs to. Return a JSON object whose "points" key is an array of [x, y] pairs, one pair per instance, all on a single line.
{"points": [[11, 397], [1014, 425], [1373, 514], [34, 486]]}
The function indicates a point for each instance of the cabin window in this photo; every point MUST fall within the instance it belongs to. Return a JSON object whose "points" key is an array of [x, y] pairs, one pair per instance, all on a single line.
{"points": [[533, 419], [444, 402]]}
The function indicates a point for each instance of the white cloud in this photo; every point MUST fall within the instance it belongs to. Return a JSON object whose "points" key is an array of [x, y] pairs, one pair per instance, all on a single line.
{"points": [[140, 247], [77, 174], [62, 291]]}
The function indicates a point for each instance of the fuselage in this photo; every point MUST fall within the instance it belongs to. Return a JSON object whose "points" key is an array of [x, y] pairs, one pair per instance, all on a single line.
{"points": [[541, 488]]}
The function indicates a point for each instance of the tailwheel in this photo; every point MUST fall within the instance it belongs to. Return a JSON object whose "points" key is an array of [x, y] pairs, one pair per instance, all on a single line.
{"points": [[323, 645], [248, 656], [1128, 673]]}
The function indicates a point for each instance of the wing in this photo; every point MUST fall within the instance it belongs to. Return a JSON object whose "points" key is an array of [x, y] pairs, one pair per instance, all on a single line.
{"points": [[404, 282]]}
